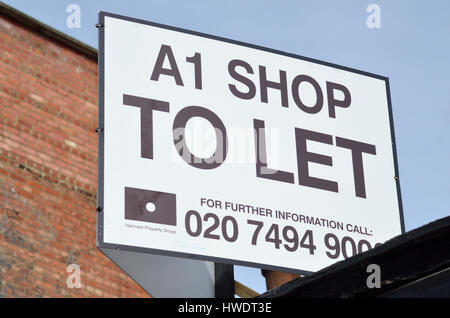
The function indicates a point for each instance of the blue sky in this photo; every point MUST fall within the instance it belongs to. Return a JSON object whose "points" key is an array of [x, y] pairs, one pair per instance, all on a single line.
{"points": [[411, 47]]}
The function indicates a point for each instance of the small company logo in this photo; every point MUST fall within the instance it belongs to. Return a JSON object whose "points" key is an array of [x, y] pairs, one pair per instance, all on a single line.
{"points": [[150, 206]]}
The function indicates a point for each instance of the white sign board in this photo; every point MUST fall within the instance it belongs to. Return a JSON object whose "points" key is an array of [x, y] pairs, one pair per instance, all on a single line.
{"points": [[223, 151]]}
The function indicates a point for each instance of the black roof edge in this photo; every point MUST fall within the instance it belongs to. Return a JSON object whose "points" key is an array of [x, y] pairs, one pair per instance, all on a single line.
{"points": [[44, 29], [403, 259]]}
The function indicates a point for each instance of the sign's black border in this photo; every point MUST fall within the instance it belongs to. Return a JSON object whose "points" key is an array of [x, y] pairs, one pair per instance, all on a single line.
{"points": [[101, 111]]}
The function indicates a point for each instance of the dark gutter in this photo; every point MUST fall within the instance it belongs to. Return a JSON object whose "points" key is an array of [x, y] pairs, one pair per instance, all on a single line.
{"points": [[407, 260], [41, 28]]}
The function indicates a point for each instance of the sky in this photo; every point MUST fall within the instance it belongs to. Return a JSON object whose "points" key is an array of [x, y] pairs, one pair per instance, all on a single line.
{"points": [[410, 45]]}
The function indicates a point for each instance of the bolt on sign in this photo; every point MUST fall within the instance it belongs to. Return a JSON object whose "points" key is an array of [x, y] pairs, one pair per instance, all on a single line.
{"points": [[218, 150]]}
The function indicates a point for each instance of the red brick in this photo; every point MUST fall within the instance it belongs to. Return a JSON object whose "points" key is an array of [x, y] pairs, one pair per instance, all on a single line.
{"points": [[45, 100]]}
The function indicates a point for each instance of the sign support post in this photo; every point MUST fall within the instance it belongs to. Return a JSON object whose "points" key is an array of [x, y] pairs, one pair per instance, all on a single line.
{"points": [[224, 277]]}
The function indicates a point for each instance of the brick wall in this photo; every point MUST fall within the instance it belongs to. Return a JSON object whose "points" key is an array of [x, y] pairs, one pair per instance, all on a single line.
{"points": [[48, 170]]}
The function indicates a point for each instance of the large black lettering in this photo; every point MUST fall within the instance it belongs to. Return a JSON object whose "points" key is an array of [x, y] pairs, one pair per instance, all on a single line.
{"points": [[304, 157], [179, 125], [333, 102], [240, 78], [166, 51], [265, 84], [296, 95], [147, 106], [262, 171], [357, 148]]}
